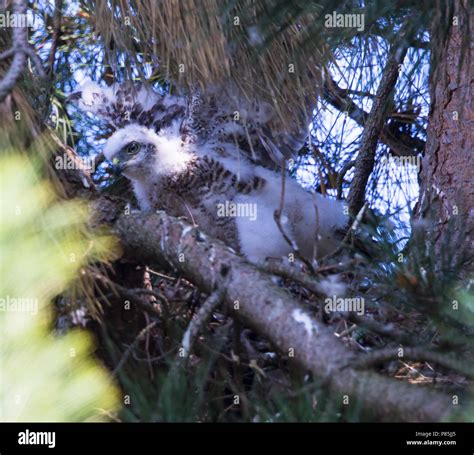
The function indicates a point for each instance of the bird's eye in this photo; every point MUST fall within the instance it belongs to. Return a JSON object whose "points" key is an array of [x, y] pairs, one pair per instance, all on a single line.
{"points": [[133, 148]]}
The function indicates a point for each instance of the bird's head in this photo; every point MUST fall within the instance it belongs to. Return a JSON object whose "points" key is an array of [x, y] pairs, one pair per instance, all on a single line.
{"points": [[146, 141], [139, 153]]}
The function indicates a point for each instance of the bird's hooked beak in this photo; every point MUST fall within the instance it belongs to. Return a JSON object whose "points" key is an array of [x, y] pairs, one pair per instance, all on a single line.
{"points": [[117, 167]]}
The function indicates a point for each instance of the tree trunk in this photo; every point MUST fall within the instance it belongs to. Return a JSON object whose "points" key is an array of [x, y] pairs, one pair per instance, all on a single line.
{"points": [[447, 184]]}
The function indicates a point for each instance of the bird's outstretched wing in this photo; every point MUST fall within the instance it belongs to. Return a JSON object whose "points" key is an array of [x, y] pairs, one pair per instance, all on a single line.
{"points": [[215, 120], [233, 122], [122, 104]]}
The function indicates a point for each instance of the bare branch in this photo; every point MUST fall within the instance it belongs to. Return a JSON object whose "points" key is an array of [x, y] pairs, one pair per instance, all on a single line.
{"points": [[30, 52], [277, 217], [366, 157], [386, 330], [20, 50], [201, 317], [19, 38], [130, 349], [58, 6], [402, 144], [340, 177], [353, 228], [416, 354]]}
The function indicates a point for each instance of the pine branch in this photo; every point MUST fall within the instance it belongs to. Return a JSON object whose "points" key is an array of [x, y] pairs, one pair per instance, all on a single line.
{"points": [[373, 127], [251, 296], [20, 51], [402, 144]]}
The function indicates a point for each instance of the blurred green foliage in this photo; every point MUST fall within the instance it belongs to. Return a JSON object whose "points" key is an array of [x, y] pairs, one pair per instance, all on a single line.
{"points": [[44, 377]]}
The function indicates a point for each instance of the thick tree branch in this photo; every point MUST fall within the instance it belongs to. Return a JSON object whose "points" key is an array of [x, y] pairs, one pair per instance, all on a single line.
{"points": [[251, 296], [366, 158]]}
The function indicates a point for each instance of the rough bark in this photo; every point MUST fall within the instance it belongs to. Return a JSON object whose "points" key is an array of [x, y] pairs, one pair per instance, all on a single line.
{"points": [[447, 183], [373, 127], [271, 311]]}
